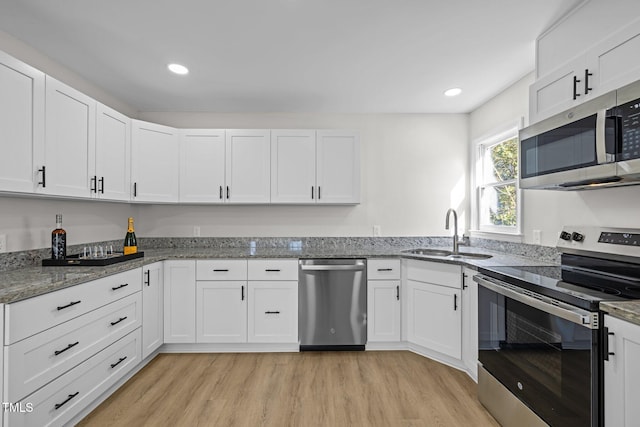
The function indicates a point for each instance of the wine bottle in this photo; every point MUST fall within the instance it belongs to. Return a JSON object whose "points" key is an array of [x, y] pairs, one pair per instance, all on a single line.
{"points": [[130, 242], [58, 240]]}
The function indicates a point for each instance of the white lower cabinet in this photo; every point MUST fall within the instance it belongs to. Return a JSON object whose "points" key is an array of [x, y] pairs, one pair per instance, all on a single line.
{"points": [[621, 373], [383, 300], [152, 308], [61, 400], [221, 311], [273, 312], [434, 307], [470, 322], [180, 301]]}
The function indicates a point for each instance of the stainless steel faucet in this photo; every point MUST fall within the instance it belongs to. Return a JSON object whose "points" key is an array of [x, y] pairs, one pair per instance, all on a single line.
{"points": [[455, 228]]}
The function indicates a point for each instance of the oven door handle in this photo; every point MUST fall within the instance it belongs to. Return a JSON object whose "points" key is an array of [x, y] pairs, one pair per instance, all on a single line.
{"points": [[573, 314]]}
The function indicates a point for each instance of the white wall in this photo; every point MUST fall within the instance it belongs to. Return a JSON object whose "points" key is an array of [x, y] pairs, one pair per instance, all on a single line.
{"points": [[547, 210]]}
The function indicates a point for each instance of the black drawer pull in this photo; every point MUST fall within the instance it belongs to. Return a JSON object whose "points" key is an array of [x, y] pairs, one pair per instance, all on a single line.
{"points": [[385, 269], [275, 270], [71, 396], [57, 352], [121, 286], [118, 321], [44, 177], [113, 365], [101, 190], [220, 270], [271, 312], [69, 305]]}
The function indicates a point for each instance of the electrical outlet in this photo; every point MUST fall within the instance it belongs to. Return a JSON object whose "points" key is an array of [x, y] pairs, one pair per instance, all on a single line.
{"points": [[537, 237], [196, 231], [3, 243], [377, 232]]}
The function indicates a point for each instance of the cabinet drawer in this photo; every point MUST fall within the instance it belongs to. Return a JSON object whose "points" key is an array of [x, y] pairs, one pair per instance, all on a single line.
{"points": [[273, 312], [61, 400], [34, 315], [434, 272], [35, 361], [221, 269], [273, 269], [383, 269]]}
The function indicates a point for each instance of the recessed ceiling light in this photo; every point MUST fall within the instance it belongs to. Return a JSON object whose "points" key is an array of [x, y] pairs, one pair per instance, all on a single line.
{"points": [[178, 69], [453, 91]]}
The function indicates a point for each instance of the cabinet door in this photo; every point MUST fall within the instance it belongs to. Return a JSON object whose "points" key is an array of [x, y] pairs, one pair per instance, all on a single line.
{"points": [[615, 59], [273, 312], [383, 311], [434, 317], [621, 373], [248, 171], [470, 322], [152, 308], [221, 312], [293, 166], [338, 167], [554, 92], [21, 125], [113, 155], [70, 136], [202, 166], [155, 167], [179, 301]]}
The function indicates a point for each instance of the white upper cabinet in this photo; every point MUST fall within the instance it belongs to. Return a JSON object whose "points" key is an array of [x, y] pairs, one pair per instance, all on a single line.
{"points": [[248, 169], [112, 180], [70, 135], [603, 67], [338, 167], [21, 125], [155, 162], [293, 166], [202, 166]]}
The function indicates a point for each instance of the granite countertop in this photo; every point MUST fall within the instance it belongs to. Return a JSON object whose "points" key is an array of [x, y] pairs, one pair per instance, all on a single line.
{"points": [[625, 310], [23, 283]]}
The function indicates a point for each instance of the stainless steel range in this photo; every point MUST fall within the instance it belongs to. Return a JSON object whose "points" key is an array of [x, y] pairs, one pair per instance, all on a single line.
{"points": [[541, 333]]}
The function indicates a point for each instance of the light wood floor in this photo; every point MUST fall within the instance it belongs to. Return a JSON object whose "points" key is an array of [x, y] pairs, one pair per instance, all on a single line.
{"points": [[294, 389]]}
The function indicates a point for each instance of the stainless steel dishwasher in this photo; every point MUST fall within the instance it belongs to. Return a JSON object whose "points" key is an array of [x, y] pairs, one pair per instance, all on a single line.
{"points": [[332, 306]]}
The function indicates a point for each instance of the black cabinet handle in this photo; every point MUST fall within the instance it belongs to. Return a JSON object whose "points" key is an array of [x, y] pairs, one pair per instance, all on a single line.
{"points": [[385, 269], [94, 184], [242, 292], [605, 347], [221, 192], [455, 302], [272, 269], [71, 396], [72, 303], [115, 288], [147, 275], [44, 176], [118, 321], [318, 192], [57, 352], [464, 281], [398, 292], [587, 74], [312, 192], [101, 185], [135, 189], [228, 193], [120, 360], [575, 87], [220, 270], [271, 312]]}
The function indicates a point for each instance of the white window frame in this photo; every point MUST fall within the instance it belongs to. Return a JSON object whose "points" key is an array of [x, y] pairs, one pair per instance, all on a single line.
{"points": [[480, 146]]}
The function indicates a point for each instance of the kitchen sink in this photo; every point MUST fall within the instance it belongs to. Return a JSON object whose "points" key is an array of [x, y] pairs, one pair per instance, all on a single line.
{"points": [[445, 253]]}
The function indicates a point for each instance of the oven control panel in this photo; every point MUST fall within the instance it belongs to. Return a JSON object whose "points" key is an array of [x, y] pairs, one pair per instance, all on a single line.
{"points": [[627, 239], [603, 240]]}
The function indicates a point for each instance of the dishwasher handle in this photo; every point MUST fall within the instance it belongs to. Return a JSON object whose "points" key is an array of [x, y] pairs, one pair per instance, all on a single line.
{"points": [[332, 267]]}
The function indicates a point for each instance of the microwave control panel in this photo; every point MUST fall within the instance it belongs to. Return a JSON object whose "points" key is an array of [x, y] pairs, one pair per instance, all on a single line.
{"points": [[630, 113]]}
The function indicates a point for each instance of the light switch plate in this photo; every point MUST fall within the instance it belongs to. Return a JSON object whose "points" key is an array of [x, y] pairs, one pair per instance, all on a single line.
{"points": [[377, 231]]}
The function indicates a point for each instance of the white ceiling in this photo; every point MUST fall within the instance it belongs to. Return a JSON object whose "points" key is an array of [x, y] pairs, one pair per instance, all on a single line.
{"points": [[351, 56]]}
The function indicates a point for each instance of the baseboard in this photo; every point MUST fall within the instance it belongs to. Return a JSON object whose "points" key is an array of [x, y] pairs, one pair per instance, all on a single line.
{"points": [[229, 348]]}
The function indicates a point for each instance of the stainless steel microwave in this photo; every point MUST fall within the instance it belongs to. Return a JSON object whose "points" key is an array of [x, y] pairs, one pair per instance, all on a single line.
{"points": [[595, 144]]}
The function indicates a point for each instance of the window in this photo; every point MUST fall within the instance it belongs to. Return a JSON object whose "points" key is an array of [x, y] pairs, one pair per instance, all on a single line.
{"points": [[498, 195]]}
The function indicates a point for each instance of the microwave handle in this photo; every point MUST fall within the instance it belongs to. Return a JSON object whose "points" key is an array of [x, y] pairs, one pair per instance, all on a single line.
{"points": [[605, 150]]}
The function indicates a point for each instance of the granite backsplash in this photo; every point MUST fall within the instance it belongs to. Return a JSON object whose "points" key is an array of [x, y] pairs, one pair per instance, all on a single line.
{"points": [[15, 260]]}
